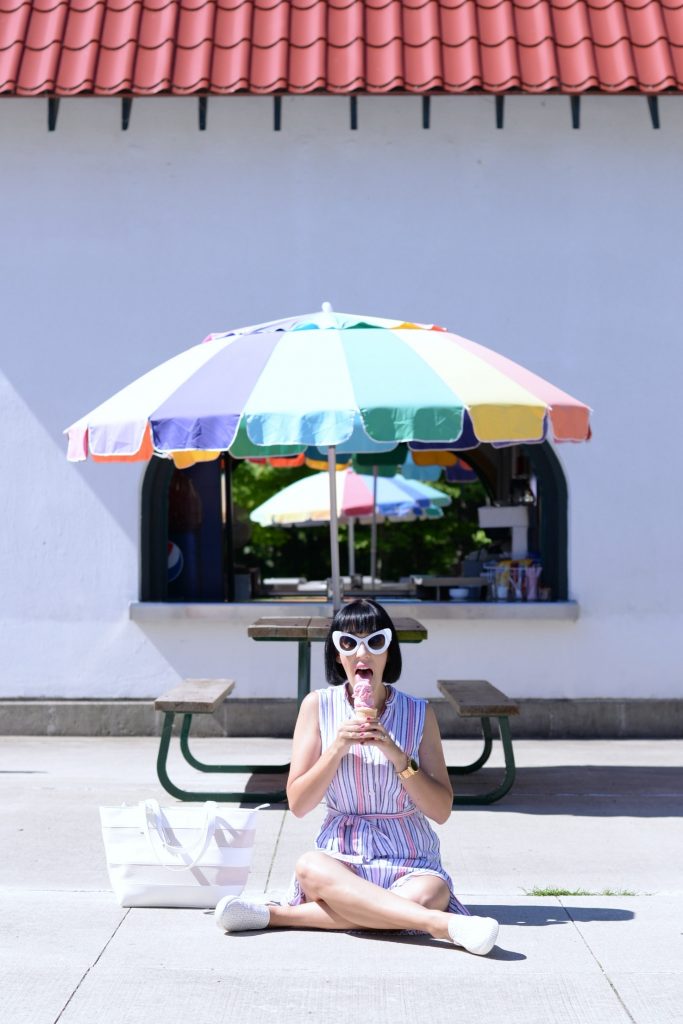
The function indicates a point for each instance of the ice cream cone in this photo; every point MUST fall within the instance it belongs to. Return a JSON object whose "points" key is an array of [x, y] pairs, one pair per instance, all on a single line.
{"points": [[364, 701]]}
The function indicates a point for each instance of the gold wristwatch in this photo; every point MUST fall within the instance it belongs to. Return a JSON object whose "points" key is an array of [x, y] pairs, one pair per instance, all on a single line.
{"points": [[412, 768]]}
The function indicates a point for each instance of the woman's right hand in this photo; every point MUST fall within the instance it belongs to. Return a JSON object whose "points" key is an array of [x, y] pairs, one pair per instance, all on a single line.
{"points": [[350, 732]]}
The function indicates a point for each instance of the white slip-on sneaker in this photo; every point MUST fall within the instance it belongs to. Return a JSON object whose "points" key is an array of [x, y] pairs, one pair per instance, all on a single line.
{"points": [[477, 934], [237, 915]]}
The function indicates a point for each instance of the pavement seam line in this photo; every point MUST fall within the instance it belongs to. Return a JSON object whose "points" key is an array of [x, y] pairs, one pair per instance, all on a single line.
{"points": [[277, 844], [606, 976], [93, 964]]}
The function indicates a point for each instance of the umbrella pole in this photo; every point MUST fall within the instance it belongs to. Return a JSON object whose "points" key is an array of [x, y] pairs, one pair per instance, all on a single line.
{"points": [[352, 546], [334, 528], [373, 533]]}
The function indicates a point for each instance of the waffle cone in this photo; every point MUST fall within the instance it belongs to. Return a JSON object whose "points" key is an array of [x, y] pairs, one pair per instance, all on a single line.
{"points": [[366, 714]]}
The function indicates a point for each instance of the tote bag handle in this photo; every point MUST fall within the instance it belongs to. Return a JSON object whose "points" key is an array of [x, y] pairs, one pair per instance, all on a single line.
{"points": [[154, 823]]}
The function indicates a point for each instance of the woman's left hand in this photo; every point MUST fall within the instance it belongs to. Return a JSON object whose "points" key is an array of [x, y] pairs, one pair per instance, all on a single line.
{"points": [[374, 733]]}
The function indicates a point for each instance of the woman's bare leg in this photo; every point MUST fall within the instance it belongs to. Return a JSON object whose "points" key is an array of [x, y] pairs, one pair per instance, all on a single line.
{"points": [[308, 915], [427, 890], [337, 899], [344, 900]]}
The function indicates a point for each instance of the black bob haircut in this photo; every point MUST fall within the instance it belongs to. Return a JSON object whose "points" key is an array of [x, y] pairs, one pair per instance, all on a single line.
{"points": [[361, 618]]}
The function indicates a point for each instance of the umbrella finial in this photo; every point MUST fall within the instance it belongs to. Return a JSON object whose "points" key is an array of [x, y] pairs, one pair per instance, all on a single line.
{"points": [[327, 307]]}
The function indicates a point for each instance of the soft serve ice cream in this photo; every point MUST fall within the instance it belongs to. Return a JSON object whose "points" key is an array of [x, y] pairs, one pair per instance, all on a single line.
{"points": [[364, 701]]}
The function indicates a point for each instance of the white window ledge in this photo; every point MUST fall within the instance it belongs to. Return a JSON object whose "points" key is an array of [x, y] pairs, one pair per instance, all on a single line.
{"points": [[172, 611]]}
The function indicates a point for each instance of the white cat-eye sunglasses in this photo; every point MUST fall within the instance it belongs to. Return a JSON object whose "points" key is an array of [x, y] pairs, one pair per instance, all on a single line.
{"points": [[375, 643]]}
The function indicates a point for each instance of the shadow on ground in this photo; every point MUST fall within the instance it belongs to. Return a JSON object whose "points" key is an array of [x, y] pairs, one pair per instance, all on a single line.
{"points": [[585, 790], [532, 915], [602, 790], [497, 953], [537, 915]]}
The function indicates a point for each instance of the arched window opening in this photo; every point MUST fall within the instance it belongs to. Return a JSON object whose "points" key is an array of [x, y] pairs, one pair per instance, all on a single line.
{"points": [[197, 543], [186, 541]]}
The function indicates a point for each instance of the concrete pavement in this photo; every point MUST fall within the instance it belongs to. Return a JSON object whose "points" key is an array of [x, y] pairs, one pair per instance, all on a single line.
{"points": [[587, 815]]}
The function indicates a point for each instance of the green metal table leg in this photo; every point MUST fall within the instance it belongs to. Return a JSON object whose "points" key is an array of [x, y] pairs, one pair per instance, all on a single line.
{"points": [[251, 769], [510, 768], [274, 796], [465, 769], [162, 756], [495, 794], [304, 671]]}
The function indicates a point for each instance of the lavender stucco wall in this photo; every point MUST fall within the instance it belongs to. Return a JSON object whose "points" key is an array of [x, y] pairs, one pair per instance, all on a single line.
{"points": [[560, 248]]}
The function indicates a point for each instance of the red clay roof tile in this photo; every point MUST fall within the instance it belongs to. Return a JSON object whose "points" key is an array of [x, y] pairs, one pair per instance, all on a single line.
{"points": [[42, 47], [308, 46], [156, 47], [537, 57], [500, 66], [574, 47], [80, 47], [422, 45], [460, 46], [118, 48], [194, 46], [383, 45], [14, 18], [269, 46], [143, 47], [613, 51], [651, 55], [673, 25], [345, 46], [232, 46]]}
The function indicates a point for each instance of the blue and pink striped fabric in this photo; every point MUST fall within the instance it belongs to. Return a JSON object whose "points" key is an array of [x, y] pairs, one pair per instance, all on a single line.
{"points": [[371, 823]]}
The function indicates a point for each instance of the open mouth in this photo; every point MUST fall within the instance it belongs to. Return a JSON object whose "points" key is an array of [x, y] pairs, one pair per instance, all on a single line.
{"points": [[364, 673]]}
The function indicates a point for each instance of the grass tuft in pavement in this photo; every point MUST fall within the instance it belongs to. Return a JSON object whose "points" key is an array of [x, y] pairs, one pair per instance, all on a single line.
{"points": [[553, 890]]}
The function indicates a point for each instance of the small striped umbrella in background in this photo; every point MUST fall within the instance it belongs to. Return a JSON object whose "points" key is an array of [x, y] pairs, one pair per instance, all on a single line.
{"points": [[360, 498], [400, 463]]}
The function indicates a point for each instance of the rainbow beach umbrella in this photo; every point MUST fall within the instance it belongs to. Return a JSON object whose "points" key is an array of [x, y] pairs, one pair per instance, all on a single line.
{"points": [[339, 381]]}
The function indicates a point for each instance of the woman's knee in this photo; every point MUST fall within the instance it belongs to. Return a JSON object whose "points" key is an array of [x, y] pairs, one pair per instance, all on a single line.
{"points": [[434, 901], [424, 899], [434, 895], [313, 872]]}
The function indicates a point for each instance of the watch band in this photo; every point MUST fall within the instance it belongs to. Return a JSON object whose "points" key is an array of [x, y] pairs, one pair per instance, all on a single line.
{"points": [[412, 768]]}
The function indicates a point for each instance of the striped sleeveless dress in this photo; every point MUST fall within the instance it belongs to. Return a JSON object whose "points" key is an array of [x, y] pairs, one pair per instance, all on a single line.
{"points": [[371, 823]]}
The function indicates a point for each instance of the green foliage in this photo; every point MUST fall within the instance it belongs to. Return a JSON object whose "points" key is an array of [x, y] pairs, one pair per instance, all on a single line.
{"points": [[431, 546]]}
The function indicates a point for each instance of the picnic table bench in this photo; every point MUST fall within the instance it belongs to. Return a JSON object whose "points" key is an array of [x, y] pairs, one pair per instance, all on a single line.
{"points": [[476, 698], [203, 697]]}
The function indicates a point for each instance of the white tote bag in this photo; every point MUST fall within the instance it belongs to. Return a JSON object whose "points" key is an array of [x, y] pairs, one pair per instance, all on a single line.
{"points": [[189, 855]]}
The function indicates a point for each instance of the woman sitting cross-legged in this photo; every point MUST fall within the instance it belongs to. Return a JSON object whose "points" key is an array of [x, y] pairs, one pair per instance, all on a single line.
{"points": [[374, 755]]}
